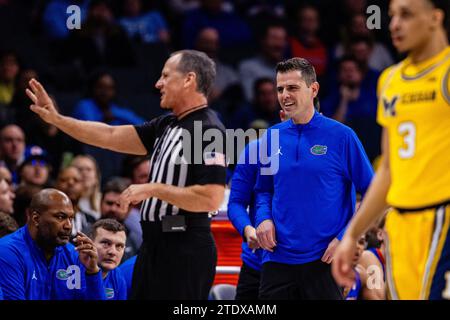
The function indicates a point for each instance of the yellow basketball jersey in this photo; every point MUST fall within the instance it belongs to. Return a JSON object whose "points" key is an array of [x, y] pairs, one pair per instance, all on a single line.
{"points": [[414, 106]]}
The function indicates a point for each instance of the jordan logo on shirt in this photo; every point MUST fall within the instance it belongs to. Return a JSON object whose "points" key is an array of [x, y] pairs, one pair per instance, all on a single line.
{"points": [[34, 276], [279, 152]]}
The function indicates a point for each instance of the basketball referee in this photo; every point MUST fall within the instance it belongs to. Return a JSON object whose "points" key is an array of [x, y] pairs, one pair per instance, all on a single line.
{"points": [[178, 256]]}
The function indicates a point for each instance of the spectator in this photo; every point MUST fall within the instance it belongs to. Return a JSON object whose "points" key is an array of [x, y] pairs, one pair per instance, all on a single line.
{"points": [[208, 41], [7, 224], [369, 282], [100, 42], [6, 198], [39, 256], [149, 27], [24, 194], [99, 104], [6, 175], [355, 105], [54, 18], [273, 47], [109, 237], [232, 29], [12, 148], [303, 203], [35, 169], [379, 57], [110, 208], [9, 69], [70, 182], [242, 199], [90, 200], [305, 42], [136, 168], [264, 108], [360, 48]]}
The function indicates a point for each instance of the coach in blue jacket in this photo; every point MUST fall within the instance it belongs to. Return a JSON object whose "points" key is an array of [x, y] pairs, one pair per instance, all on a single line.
{"points": [[305, 192], [38, 263], [242, 198]]}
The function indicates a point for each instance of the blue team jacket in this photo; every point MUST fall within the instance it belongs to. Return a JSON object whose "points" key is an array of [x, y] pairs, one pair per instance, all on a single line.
{"points": [[26, 275], [242, 197], [115, 285], [127, 271], [310, 194]]}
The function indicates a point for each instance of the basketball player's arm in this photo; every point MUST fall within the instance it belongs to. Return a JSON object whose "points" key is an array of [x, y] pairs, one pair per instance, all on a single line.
{"points": [[374, 203], [195, 198], [116, 138], [372, 207]]}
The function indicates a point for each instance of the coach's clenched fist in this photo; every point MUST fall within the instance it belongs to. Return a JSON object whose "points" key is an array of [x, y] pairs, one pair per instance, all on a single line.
{"points": [[266, 235]]}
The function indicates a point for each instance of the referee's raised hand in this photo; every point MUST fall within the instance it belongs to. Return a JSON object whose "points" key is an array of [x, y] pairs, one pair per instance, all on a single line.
{"points": [[42, 103]]}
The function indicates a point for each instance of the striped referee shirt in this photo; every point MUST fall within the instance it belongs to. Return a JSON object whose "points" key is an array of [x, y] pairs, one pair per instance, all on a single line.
{"points": [[167, 139]]}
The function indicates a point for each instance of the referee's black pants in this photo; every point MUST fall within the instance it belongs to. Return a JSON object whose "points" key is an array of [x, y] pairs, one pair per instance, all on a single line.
{"points": [[174, 265], [309, 281]]}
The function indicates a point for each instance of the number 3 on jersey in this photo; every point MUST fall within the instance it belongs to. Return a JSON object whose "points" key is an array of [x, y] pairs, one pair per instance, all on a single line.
{"points": [[408, 131]]}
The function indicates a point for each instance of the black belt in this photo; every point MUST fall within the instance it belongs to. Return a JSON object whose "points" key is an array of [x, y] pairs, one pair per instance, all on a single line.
{"points": [[193, 220]]}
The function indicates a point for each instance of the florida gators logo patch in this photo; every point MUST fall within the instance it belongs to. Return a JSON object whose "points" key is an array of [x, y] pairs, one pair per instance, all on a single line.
{"points": [[319, 150]]}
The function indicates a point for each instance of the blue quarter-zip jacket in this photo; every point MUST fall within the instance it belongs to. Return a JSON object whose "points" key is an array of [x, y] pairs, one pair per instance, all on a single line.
{"points": [[25, 274], [115, 285], [127, 268], [242, 197], [310, 195]]}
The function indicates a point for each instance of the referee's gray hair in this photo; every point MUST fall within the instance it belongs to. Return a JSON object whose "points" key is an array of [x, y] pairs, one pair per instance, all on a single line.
{"points": [[199, 63], [298, 64]]}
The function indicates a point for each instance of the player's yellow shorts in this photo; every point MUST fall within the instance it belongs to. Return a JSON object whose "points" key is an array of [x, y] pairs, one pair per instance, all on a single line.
{"points": [[418, 253]]}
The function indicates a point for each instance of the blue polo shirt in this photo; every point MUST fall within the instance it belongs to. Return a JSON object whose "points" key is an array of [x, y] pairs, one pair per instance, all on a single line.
{"points": [[25, 274], [310, 195], [242, 197], [115, 285]]}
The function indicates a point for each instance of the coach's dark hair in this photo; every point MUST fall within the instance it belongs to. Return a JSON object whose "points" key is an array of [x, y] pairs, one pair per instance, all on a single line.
{"points": [[107, 224], [199, 63], [298, 64]]}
